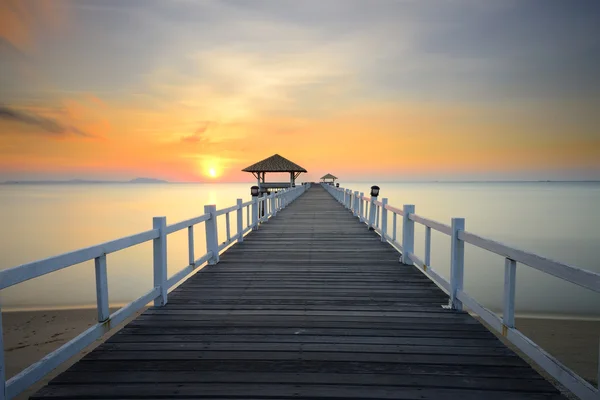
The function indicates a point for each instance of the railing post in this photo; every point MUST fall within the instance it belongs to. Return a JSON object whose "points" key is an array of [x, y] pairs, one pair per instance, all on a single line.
{"points": [[384, 202], [372, 210], [101, 288], [2, 365], [408, 234], [240, 221], [160, 260], [457, 263], [254, 213], [510, 276], [191, 257], [227, 227], [362, 208], [428, 246], [355, 203], [212, 240], [394, 226], [273, 208]]}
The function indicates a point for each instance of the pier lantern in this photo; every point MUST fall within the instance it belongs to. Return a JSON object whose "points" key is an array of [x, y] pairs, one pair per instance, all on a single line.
{"points": [[374, 191], [254, 190]]}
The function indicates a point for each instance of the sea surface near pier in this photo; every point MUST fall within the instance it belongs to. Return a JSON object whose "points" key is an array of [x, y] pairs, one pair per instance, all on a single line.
{"points": [[558, 220]]}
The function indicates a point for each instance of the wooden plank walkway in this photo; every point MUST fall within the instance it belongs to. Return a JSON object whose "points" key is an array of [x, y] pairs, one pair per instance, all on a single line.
{"points": [[311, 306]]}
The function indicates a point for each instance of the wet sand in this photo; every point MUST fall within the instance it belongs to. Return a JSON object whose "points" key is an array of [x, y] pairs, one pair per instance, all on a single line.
{"points": [[29, 335]]}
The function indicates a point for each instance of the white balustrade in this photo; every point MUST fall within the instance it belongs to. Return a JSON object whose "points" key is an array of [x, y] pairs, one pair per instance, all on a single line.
{"points": [[455, 286], [158, 294]]}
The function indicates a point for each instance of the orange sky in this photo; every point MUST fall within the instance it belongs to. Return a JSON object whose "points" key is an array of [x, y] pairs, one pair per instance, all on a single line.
{"points": [[82, 103]]}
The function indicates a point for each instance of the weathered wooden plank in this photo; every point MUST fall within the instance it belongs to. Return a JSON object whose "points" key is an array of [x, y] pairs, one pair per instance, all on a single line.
{"points": [[295, 331], [451, 359], [250, 390], [303, 324], [123, 337], [337, 315], [441, 381], [386, 348], [323, 366]]}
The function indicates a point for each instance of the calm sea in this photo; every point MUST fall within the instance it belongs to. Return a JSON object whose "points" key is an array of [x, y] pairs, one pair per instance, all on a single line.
{"points": [[556, 220]]}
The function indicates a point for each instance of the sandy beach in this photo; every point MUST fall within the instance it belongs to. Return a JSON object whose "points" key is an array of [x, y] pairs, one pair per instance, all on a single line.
{"points": [[29, 335]]}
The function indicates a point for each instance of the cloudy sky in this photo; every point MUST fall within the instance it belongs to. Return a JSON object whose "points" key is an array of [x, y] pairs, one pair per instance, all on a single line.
{"points": [[385, 89]]}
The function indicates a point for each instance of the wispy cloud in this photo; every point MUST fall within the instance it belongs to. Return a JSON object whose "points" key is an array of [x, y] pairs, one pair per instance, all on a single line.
{"points": [[45, 124], [198, 135]]}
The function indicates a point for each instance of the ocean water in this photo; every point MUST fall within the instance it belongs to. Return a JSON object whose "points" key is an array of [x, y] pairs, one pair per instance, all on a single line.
{"points": [[556, 220]]}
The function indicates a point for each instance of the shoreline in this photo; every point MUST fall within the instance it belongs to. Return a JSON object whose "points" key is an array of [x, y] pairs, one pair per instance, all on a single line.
{"points": [[29, 335]]}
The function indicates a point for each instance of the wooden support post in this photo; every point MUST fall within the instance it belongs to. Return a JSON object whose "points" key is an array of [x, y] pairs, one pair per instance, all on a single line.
{"points": [[191, 258], [240, 221], [383, 219], [428, 246], [160, 260], [361, 210], [101, 288], [254, 213], [273, 208], [212, 237], [355, 203], [457, 263], [408, 234], [394, 226], [372, 210], [510, 277], [227, 227], [2, 364]]}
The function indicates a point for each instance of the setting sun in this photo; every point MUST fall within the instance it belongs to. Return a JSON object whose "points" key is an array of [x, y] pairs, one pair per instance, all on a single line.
{"points": [[212, 173]]}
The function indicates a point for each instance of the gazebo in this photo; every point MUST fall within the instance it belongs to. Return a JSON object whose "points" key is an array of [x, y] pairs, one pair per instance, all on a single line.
{"points": [[328, 179], [275, 163]]}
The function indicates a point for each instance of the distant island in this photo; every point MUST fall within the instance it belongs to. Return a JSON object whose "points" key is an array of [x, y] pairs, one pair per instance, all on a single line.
{"points": [[85, 182]]}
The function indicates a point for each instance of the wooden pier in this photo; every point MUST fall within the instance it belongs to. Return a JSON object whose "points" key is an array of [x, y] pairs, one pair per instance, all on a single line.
{"points": [[312, 305]]}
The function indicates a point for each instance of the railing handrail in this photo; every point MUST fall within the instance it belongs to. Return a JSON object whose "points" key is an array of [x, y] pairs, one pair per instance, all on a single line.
{"points": [[359, 203], [162, 283]]}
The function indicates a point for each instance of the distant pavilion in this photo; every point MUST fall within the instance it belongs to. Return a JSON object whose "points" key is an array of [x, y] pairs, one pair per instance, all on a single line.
{"points": [[275, 163], [328, 178]]}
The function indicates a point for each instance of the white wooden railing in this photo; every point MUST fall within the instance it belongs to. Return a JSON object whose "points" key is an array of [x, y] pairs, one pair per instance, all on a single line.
{"points": [[258, 210], [375, 214]]}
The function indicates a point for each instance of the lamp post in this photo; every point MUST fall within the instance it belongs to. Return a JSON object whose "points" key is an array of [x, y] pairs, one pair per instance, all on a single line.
{"points": [[374, 194], [254, 190]]}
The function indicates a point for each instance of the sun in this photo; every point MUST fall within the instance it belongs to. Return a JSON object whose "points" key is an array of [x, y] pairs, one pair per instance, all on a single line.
{"points": [[212, 173]]}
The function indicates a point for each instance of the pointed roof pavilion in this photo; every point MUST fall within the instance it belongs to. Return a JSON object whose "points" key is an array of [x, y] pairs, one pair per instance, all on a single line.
{"points": [[329, 177], [275, 163]]}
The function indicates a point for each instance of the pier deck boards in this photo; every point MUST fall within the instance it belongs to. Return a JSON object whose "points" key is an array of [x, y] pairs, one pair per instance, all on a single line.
{"points": [[312, 305]]}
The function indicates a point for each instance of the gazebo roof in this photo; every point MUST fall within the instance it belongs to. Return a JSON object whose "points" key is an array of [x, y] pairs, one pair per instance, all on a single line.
{"points": [[275, 163], [329, 176]]}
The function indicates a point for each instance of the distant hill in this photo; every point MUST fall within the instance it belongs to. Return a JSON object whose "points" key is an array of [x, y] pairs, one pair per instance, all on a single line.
{"points": [[147, 180], [84, 182]]}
